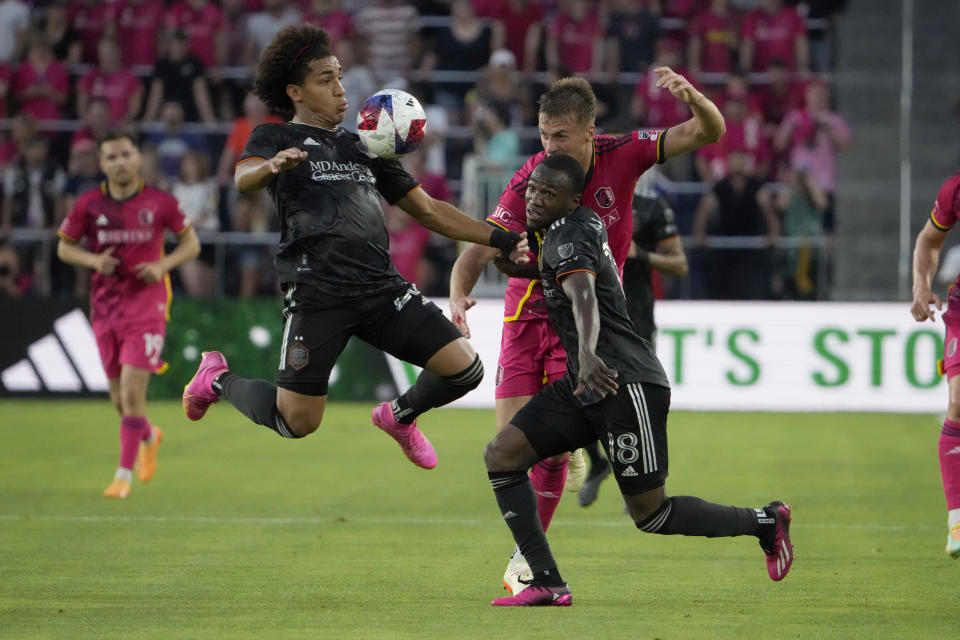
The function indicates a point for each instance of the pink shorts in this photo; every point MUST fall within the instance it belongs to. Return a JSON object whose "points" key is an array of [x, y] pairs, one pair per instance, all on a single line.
{"points": [[137, 344], [950, 365], [530, 356]]}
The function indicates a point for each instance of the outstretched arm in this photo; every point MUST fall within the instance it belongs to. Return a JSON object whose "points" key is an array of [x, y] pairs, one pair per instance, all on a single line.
{"points": [[445, 219], [595, 377], [256, 173], [705, 127], [926, 257]]}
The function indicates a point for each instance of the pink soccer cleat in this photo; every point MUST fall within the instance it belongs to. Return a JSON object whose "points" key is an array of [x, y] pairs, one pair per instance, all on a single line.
{"points": [[534, 596], [198, 395], [414, 444], [777, 546]]}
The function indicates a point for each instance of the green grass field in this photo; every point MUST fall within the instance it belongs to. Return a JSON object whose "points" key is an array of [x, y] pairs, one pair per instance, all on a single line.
{"points": [[243, 534]]}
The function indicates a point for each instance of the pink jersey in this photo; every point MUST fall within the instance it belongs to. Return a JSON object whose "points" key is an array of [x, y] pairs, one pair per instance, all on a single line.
{"points": [[575, 41], [54, 76], [774, 36], [134, 228], [618, 162], [718, 35], [946, 208], [116, 88], [90, 21], [201, 27], [137, 28], [662, 110]]}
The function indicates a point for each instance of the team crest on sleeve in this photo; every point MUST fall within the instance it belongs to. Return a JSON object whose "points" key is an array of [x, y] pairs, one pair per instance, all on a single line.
{"points": [[565, 250], [605, 197], [501, 214], [648, 134], [145, 216]]}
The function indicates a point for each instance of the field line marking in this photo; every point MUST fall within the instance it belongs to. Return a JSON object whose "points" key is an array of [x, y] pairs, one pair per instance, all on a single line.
{"points": [[334, 519]]}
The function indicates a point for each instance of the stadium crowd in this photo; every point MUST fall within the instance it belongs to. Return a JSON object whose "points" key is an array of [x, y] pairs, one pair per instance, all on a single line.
{"points": [[181, 72]]}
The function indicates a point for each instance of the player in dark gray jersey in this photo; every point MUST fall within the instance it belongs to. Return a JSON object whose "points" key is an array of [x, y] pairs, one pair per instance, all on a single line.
{"points": [[655, 245], [334, 261], [614, 390]]}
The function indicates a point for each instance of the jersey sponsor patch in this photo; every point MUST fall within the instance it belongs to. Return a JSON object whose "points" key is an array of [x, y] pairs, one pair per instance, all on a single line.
{"points": [[298, 355], [648, 134], [605, 197], [611, 218], [502, 214]]}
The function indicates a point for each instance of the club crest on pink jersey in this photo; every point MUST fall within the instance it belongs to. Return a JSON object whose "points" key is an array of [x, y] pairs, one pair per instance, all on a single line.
{"points": [[145, 216], [605, 197]]}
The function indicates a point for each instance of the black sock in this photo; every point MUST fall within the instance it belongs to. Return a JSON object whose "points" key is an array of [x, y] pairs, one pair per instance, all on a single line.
{"points": [[689, 516], [431, 390], [256, 399], [518, 505], [597, 461]]}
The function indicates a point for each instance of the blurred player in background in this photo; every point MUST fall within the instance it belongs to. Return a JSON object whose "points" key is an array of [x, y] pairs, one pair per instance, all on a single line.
{"points": [[123, 223], [334, 262], [615, 390], [656, 245], [530, 352], [926, 255]]}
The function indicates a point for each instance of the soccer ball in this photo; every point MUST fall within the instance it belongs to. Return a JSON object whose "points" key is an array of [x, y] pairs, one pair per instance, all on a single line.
{"points": [[391, 123]]}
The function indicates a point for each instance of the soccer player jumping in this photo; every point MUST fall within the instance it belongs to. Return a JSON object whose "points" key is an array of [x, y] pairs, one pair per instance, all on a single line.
{"points": [[926, 256], [123, 222], [614, 390], [334, 262]]}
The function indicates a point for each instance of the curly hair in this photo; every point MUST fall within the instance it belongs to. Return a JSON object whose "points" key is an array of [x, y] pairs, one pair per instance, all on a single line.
{"points": [[570, 97], [285, 61], [569, 167]]}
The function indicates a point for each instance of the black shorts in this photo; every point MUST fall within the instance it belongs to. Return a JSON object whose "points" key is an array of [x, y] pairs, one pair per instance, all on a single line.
{"points": [[401, 322], [632, 425]]}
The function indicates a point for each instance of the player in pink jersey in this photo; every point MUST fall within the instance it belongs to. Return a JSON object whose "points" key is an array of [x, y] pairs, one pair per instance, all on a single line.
{"points": [[530, 352], [926, 256], [123, 224]]}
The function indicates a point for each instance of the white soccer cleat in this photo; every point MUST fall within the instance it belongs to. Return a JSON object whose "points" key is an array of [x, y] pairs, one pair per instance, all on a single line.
{"points": [[953, 542], [517, 568], [576, 471]]}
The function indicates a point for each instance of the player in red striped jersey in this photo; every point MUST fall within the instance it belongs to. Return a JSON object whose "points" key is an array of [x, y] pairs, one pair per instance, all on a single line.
{"points": [[123, 224]]}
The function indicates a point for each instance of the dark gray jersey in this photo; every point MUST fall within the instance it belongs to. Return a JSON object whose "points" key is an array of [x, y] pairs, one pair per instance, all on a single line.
{"points": [[332, 228], [578, 242]]}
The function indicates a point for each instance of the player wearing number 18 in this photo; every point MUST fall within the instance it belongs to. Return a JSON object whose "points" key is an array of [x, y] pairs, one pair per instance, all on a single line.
{"points": [[614, 390], [123, 223]]}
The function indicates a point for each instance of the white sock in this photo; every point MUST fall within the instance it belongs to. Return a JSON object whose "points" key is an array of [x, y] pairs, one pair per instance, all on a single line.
{"points": [[124, 474], [953, 518]]}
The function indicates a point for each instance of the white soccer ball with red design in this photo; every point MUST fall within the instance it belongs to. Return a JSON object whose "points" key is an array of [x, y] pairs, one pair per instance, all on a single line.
{"points": [[391, 123]]}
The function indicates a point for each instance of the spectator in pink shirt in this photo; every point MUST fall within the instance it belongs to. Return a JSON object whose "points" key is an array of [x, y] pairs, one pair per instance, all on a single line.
{"points": [[523, 23], [575, 40], [110, 81], [330, 16], [774, 31], [744, 134], [202, 21], [812, 136], [89, 18], [136, 24], [41, 84], [713, 37], [780, 95]]}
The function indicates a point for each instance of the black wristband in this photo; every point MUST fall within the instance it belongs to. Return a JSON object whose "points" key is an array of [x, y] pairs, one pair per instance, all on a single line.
{"points": [[506, 241]]}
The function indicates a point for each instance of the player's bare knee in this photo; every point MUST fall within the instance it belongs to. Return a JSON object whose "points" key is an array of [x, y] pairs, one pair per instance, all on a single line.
{"points": [[303, 423]]}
